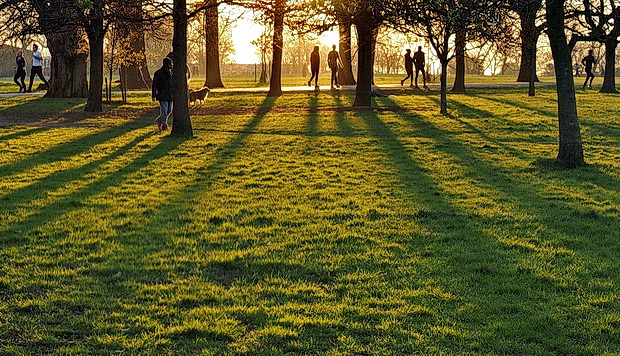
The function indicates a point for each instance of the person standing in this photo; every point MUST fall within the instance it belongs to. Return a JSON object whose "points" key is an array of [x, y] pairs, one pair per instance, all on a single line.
{"points": [[333, 60], [420, 63], [589, 61], [162, 91], [36, 68], [20, 71], [408, 68], [315, 64]]}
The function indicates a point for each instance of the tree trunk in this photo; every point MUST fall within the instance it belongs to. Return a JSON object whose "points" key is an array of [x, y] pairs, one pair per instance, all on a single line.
{"points": [[181, 122], [570, 153], [459, 79], [529, 40], [375, 34], [345, 74], [138, 76], [363, 91], [212, 47], [444, 87], [275, 84], [609, 81], [68, 79], [96, 34]]}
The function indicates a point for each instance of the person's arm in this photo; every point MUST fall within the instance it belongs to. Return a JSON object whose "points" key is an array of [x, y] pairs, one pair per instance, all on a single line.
{"points": [[583, 61], [154, 87]]}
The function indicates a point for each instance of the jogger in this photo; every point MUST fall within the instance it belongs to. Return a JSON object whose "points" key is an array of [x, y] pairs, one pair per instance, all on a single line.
{"points": [[36, 68], [20, 71]]}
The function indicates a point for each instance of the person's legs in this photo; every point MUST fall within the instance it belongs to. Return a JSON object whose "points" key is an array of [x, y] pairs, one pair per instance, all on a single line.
{"points": [[32, 74], [588, 73], [17, 75], [22, 77], [417, 73], [591, 79], [168, 112], [333, 79], [409, 76], [424, 76], [316, 77], [40, 74], [163, 112]]}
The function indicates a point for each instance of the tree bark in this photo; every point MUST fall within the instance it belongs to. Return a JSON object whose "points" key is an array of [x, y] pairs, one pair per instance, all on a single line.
{"points": [[138, 76], [181, 122], [609, 81], [345, 74], [459, 79], [69, 52], [275, 84], [96, 33], [570, 152], [375, 35], [212, 46], [444, 87], [529, 40], [363, 91]]}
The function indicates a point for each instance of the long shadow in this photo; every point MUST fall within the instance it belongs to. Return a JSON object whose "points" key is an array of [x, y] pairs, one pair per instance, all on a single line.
{"points": [[70, 202], [344, 126], [313, 113], [605, 130], [41, 189], [478, 258], [100, 272], [507, 185], [82, 144], [23, 133]]}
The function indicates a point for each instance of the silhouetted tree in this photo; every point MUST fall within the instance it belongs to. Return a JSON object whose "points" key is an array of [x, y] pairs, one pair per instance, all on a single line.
{"points": [[570, 152]]}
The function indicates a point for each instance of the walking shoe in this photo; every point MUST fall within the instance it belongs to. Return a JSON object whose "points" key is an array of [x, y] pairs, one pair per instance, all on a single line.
{"points": [[402, 82], [309, 84]]}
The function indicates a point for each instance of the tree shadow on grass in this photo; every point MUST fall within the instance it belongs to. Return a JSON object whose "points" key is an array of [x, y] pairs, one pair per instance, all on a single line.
{"points": [[22, 133], [67, 149], [486, 249]]}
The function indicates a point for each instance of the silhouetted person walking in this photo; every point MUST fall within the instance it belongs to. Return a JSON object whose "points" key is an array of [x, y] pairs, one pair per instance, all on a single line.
{"points": [[408, 68], [420, 62], [333, 60], [163, 92], [315, 65], [36, 68], [589, 63], [20, 71]]}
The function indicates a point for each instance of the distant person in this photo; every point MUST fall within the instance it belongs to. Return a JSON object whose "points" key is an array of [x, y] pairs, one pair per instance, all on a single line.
{"points": [[577, 70], [408, 68], [333, 60], [37, 69], [589, 61], [163, 92], [315, 65], [20, 71], [420, 63]]}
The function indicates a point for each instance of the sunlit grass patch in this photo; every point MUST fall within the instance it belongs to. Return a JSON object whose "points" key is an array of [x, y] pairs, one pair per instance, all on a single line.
{"points": [[297, 225]]}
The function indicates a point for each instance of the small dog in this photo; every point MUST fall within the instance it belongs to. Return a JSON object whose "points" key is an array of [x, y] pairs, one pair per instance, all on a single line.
{"points": [[198, 95]]}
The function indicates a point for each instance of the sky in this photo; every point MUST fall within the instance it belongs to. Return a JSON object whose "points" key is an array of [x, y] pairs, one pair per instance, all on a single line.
{"points": [[247, 31]]}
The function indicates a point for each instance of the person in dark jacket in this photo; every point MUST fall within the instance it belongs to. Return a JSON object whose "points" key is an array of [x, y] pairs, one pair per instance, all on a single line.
{"points": [[315, 64], [334, 62], [420, 63], [20, 71], [162, 92], [408, 68]]}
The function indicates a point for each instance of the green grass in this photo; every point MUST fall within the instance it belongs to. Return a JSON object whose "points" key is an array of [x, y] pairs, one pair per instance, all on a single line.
{"points": [[293, 226]]}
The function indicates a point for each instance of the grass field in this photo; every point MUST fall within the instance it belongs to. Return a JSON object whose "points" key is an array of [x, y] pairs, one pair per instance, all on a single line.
{"points": [[298, 226]]}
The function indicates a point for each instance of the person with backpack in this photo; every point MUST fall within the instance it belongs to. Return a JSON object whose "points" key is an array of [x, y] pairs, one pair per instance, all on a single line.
{"points": [[20, 71], [162, 91]]}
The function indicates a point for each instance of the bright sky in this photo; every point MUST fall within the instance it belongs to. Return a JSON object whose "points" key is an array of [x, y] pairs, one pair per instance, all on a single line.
{"points": [[247, 31]]}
